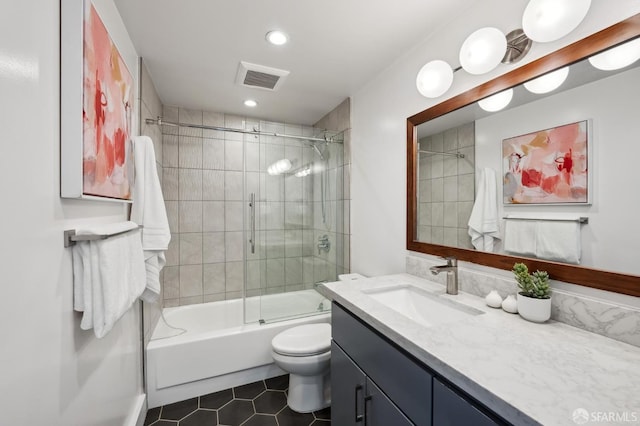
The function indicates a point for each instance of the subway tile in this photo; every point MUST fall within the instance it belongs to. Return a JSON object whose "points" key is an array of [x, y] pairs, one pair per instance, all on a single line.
{"points": [[424, 233], [437, 190], [214, 278], [170, 303], [274, 244], [255, 271], [193, 300], [252, 155], [437, 235], [272, 153], [213, 154], [437, 142], [450, 166], [234, 246], [437, 214], [190, 216], [190, 116], [464, 240], [307, 270], [190, 280], [233, 155], [464, 213], [213, 247], [190, 152], [273, 188], [293, 243], [190, 184], [207, 298], [466, 165], [466, 135], [450, 237], [170, 114], [437, 166], [274, 215], [233, 122], [293, 188], [212, 185], [213, 216], [466, 187], [424, 191], [234, 272], [252, 180], [190, 249]]}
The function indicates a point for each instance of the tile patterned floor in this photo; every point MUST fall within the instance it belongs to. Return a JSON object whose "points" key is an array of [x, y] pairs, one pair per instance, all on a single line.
{"points": [[262, 403]]}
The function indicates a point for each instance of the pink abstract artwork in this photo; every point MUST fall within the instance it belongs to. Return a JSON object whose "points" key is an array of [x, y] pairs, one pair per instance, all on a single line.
{"points": [[547, 167], [107, 106]]}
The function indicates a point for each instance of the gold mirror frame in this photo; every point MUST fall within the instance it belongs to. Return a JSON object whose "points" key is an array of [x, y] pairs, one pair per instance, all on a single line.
{"points": [[600, 279]]}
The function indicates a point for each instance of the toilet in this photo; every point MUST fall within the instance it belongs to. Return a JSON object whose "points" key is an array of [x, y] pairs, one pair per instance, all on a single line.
{"points": [[304, 352]]}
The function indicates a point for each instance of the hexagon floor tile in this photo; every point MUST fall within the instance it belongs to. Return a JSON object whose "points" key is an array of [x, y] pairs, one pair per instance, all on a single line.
{"points": [[262, 403]]}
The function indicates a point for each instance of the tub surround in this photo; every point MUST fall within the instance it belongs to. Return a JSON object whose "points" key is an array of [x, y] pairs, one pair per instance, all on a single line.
{"points": [[526, 373], [614, 320]]}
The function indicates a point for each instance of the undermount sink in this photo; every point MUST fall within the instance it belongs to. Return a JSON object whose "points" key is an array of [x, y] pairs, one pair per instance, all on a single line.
{"points": [[419, 305]]}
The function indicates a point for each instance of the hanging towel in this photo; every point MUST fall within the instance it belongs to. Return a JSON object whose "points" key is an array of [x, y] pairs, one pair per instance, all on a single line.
{"points": [[520, 237], [484, 226], [559, 241], [109, 275], [149, 210]]}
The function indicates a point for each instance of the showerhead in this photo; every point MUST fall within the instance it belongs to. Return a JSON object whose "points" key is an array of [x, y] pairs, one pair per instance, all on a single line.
{"points": [[315, 148]]}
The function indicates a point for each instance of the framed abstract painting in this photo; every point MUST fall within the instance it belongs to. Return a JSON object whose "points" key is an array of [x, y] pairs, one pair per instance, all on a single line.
{"points": [[549, 166], [97, 106]]}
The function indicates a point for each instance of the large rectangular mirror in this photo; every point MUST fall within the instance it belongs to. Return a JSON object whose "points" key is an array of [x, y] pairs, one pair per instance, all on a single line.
{"points": [[452, 146]]}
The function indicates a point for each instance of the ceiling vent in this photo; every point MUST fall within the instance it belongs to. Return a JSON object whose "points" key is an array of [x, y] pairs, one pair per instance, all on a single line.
{"points": [[260, 77]]}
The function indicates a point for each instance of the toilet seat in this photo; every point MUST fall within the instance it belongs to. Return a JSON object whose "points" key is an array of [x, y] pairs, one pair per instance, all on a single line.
{"points": [[303, 340]]}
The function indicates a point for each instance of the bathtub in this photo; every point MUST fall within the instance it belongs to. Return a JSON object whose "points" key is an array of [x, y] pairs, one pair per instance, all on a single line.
{"points": [[219, 350]]}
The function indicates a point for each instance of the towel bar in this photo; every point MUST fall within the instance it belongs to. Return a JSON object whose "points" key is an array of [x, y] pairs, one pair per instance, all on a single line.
{"points": [[70, 237], [584, 220]]}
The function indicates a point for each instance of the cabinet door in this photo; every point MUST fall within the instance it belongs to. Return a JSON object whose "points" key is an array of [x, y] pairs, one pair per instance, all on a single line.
{"points": [[380, 411], [451, 409], [347, 389]]}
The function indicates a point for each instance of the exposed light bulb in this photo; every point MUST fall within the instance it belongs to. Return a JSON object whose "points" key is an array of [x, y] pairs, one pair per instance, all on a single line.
{"points": [[617, 57], [434, 79], [547, 82], [496, 102]]}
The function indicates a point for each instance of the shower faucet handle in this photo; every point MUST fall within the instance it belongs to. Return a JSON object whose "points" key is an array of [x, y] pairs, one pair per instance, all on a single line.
{"points": [[323, 244]]}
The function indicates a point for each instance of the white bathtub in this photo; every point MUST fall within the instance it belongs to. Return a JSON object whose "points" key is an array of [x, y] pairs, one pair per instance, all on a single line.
{"points": [[219, 350]]}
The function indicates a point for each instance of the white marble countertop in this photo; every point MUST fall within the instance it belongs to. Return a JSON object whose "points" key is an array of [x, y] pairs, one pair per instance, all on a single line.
{"points": [[527, 373]]}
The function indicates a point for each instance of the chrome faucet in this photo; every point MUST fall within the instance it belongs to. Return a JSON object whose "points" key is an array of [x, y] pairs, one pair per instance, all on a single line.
{"points": [[451, 268], [323, 244]]}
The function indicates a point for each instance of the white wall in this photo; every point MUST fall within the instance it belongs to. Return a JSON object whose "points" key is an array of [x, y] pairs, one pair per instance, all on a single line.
{"points": [[52, 372], [615, 205], [380, 110]]}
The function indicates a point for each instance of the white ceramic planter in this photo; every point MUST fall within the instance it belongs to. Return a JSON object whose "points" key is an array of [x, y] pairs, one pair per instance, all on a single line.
{"points": [[532, 309]]}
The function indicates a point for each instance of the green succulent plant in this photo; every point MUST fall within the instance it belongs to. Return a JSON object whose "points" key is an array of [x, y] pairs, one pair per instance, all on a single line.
{"points": [[534, 285]]}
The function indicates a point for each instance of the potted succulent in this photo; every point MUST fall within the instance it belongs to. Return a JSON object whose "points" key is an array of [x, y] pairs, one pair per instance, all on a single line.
{"points": [[534, 297]]}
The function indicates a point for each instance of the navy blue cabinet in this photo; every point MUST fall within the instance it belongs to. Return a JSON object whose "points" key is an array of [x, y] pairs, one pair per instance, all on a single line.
{"points": [[374, 383]]}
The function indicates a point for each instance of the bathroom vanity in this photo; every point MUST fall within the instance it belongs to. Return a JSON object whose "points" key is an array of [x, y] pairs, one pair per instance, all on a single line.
{"points": [[394, 364]]}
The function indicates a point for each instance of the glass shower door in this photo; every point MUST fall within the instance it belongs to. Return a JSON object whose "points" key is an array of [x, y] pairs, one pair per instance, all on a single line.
{"points": [[283, 258]]}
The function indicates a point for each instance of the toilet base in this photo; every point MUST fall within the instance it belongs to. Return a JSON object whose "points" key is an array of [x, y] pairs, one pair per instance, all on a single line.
{"points": [[309, 393]]}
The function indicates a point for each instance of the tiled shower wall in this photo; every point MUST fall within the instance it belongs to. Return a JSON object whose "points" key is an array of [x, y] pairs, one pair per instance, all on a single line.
{"points": [[446, 187], [338, 194], [203, 188]]}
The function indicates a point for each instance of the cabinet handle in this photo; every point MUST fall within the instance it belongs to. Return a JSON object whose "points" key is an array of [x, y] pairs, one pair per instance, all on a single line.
{"points": [[367, 399], [359, 417]]}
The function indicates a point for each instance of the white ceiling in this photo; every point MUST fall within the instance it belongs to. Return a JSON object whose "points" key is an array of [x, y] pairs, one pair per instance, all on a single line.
{"points": [[192, 48]]}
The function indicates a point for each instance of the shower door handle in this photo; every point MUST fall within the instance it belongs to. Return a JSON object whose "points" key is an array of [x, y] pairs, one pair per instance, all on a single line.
{"points": [[252, 205]]}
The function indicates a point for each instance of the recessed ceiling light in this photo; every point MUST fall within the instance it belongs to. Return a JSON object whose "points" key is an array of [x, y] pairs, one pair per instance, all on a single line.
{"points": [[277, 37], [250, 103]]}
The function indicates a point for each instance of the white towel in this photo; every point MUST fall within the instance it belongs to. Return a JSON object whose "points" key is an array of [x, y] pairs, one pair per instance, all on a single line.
{"points": [[108, 275], [484, 226], [520, 237], [149, 210], [559, 241]]}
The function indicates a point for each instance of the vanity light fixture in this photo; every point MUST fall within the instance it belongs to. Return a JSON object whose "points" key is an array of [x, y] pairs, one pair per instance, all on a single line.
{"points": [[549, 20], [617, 57], [483, 50], [434, 79], [250, 103], [548, 82], [279, 167], [277, 37], [496, 102]]}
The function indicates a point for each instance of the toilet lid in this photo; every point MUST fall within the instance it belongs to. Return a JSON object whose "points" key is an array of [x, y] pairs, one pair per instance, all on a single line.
{"points": [[309, 339]]}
